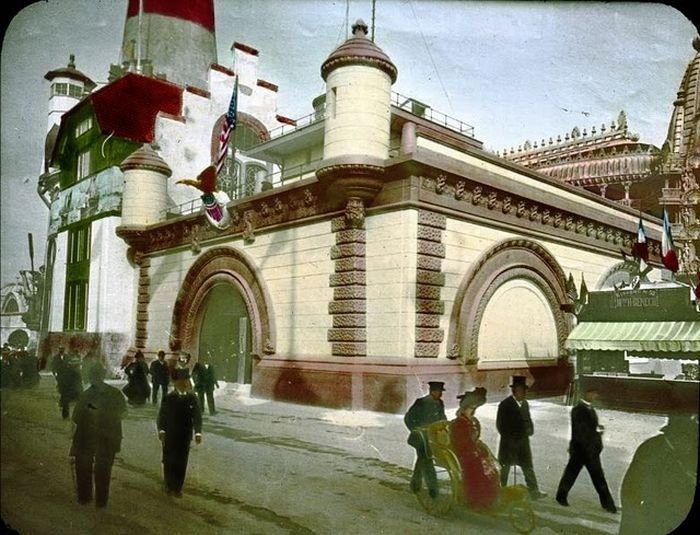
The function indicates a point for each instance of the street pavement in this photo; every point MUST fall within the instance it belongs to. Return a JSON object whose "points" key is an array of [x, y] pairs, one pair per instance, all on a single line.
{"points": [[271, 467]]}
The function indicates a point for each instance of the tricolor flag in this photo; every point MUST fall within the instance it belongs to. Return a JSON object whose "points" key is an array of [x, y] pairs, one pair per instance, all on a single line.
{"points": [[668, 255], [640, 249], [227, 126]]}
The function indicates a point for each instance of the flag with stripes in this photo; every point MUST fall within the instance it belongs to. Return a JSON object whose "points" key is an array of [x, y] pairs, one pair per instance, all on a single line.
{"points": [[668, 255], [640, 249], [227, 127]]}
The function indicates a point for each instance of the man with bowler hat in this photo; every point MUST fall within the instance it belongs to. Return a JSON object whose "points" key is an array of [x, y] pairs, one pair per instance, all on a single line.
{"points": [[585, 448], [514, 424], [178, 419], [424, 411]]}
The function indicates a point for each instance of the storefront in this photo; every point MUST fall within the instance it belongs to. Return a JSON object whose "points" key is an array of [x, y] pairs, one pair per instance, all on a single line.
{"points": [[640, 348]]}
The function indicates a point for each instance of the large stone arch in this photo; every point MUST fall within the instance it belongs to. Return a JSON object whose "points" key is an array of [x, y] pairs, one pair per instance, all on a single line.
{"points": [[506, 261], [216, 266]]}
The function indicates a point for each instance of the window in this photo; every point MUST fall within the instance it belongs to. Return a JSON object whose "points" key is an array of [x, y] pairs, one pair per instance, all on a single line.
{"points": [[251, 174], [75, 91], [83, 127], [11, 306], [77, 278], [83, 169], [59, 89]]}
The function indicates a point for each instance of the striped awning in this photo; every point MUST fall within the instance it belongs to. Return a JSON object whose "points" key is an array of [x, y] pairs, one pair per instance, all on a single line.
{"points": [[652, 336]]}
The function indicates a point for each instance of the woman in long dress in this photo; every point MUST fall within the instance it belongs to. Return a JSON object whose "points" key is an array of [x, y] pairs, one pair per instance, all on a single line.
{"points": [[137, 389], [480, 476]]}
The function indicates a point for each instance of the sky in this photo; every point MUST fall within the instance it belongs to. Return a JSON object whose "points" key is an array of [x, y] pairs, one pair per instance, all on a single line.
{"points": [[515, 71]]}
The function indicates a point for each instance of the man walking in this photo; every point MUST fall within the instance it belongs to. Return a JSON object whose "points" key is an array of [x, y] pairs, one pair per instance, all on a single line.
{"points": [[515, 426], [424, 411], [160, 376], [205, 381], [69, 382], [584, 450], [178, 419], [98, 418]]}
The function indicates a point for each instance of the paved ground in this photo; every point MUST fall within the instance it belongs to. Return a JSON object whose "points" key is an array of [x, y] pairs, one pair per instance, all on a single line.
{"points": [[270, 467]]}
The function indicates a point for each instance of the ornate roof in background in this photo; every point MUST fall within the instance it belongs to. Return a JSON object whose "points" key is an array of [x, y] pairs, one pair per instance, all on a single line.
{"points": [[611, 155]]}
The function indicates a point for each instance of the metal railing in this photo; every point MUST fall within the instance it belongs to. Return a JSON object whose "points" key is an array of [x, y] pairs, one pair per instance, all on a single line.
{"points": [[426, 112], [300, 123]]}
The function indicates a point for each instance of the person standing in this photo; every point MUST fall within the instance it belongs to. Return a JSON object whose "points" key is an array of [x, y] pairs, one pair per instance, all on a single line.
{"points": [[160, 376], [424, 411], [585, 448], [205, 381], [98, 418], [179, 418], [69, 382], [515, 427], [137, 389]]}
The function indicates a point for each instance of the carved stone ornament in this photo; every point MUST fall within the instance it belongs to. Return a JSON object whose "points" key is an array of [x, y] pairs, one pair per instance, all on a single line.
{"points": [[355, 212], [476, 195], [545, 217], [459, 189], [506, 205], [248, 228], [491, 203], [195, 235], [534, 215], [557, 220], [440, 183], [521, 211]]}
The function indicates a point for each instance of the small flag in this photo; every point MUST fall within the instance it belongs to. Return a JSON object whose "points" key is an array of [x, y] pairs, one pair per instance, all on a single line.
{"points": [[696, 290], [640, 249], [583, 298], [668, 255], [228, 125]]}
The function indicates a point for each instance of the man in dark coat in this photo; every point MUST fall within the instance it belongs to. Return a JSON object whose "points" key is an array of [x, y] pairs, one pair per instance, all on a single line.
{"points": [[424, 411], [205, 381], [69, 382], [515, 426], [659, 488], [584, 450], [98, 418], [178, 419], [160, 376]]}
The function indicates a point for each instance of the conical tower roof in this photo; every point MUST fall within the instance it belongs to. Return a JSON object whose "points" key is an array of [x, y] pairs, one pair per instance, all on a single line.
{"points": [[70, 72], [359, 50], [146, 158]]}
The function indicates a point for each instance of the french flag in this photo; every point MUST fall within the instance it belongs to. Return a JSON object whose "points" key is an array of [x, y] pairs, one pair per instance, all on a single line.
{"points": [[640, 249], [668, 255]]}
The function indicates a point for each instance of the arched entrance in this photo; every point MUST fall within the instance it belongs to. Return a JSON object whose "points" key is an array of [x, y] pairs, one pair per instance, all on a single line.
{"points": [[225, 333], [507, 311], [223, 310]]}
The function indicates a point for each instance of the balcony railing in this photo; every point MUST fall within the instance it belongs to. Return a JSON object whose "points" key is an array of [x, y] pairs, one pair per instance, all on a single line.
{"points": [[426, 112], [397, 99]]}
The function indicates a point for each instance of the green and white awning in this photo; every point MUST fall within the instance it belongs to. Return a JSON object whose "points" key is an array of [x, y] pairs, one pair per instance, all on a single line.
{"points": [[643, 336]]}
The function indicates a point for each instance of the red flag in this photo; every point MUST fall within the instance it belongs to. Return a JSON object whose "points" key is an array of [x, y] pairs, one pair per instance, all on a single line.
{"points": [[668, 255], [696, 290]]}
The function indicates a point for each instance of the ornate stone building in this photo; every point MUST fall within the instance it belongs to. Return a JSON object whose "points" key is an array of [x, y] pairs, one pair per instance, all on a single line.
{"points": [[377, 247]]}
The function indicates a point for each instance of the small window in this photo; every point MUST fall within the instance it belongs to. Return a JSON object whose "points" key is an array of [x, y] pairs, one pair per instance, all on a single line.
{"points": [[75, 91], [59, 89], [83, 169], [83, 127]]}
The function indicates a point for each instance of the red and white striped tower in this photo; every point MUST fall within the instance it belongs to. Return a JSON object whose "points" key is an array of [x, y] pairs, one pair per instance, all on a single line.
{"points": [[175, 38]]}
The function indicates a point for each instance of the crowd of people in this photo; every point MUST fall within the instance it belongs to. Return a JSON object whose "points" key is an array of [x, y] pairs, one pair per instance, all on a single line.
{"points": [[19, 367], [657, 491], [98, 411]]}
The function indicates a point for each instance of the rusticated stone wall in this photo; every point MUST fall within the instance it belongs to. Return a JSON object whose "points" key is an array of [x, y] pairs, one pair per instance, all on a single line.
{"points": [[348, 336]]}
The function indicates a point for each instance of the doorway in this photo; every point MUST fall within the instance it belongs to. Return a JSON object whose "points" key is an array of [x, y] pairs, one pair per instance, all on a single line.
{"points": [[225, 333]]}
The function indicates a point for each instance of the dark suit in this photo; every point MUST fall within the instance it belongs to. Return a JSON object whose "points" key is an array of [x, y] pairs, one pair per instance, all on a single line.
{"points": [[160, 377], [424, 411], [179, 417], [205, 381], [98, 435], [584, 450], [515, 426]]}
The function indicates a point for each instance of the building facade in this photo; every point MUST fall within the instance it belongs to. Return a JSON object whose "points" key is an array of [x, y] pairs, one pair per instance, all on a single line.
{"points": [[374, 245]]}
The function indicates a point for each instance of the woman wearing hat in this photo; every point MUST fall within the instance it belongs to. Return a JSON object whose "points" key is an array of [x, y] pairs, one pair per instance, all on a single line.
{"points": [[480, 476]]}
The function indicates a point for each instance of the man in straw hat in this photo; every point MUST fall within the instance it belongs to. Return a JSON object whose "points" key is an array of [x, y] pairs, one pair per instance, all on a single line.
{"points": [[424, 411], [514, 424], [179, 418]]}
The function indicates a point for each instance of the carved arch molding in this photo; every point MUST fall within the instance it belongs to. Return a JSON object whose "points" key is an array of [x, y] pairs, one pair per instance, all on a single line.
{"points": [[507, 260], [222, 265]]}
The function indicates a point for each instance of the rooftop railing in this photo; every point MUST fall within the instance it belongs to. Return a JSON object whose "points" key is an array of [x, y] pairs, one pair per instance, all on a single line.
{"points": [[397, 99]]}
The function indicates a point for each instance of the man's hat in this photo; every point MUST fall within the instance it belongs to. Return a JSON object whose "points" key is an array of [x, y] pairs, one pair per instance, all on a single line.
{"points": [[436, 385], [518, 380], [181, 373]]}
